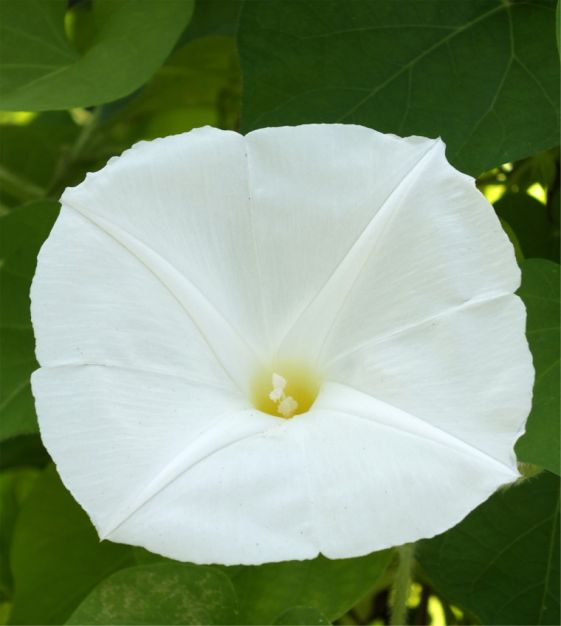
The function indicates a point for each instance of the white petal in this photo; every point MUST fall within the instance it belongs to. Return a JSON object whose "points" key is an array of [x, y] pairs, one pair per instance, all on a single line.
{"points": [[95, 302], [467, 371], [132, 399], [381, 477], [314, 189], [430, 242], [183, 470], [247, 502], [221, 483], [113, 431], [185, 200]]}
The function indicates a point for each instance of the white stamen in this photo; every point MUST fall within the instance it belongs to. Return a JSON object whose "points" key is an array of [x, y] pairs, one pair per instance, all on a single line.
{"points": [[279, 382], [276, 394], [287, 405]]}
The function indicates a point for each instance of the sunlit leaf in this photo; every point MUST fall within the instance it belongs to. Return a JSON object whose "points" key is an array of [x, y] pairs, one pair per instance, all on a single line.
{"points": [[198, 85], [162, 593], [42, 69]]}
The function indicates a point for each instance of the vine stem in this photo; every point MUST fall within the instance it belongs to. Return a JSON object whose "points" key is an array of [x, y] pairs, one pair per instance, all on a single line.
{"points": [[78, 147], [24, 190], [402, 584]]}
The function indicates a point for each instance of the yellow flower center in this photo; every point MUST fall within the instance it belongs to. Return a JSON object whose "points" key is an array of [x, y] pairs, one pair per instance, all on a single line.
{"points": [[285, 390]]}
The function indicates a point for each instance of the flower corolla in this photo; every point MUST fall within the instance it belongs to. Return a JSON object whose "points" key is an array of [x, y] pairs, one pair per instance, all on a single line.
{"points": [[261, 348]]}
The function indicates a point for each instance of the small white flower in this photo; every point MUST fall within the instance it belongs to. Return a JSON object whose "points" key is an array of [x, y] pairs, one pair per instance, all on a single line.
{"points": [[261, 348]]}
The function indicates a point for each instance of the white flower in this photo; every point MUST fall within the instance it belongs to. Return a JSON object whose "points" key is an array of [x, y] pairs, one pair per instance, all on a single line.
{"points": [[261, 348]]}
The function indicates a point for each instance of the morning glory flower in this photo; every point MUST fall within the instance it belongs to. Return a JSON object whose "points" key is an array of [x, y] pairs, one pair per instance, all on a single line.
{"points": [[262, 348]]}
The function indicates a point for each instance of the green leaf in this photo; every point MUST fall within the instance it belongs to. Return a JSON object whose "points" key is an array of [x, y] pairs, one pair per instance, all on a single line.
{"points": [[540, 292], [22, 233], [502, 561], [558, 26], [163, 593], [536, 232], [483, 75], [198, 85], [57, 557], [25, 450], [513, 240], [145, 557], [127, 40], [302, 615], [213, 17], [14, 488], [539, 168], [330, 587], [31, 153]]}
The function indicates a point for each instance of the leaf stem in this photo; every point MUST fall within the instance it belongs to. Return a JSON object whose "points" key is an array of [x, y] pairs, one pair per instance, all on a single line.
{"points": [[402, 584]]}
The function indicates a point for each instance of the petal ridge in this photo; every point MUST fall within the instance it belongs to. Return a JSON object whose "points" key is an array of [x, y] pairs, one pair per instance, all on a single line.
{"points": [[186, 197], [129, 368], [211, 441], [408, 424], [475, 301], [398, 474], [196, 305], [258, 263], [341, 281]]}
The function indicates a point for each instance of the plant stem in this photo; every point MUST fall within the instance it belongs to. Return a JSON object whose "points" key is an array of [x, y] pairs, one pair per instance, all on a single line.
{"points": [[402, 584], [75, 152], [84, 136], [22, 189]]}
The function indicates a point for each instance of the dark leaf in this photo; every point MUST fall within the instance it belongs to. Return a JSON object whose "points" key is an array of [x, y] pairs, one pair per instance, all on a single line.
{"points": [[482, 75], [537, 234], [540, 292], [22, 233], [502, 561]]}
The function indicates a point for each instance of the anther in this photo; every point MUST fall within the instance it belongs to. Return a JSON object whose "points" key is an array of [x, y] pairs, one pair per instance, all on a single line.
{"points": [[286, 405]]}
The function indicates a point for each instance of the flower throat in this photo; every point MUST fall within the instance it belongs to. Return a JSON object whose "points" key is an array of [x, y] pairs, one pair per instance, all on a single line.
{"points": [[285, 390]]}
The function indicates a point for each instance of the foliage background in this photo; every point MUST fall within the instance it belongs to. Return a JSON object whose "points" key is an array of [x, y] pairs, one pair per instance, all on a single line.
{"points": [[82, 80]]}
